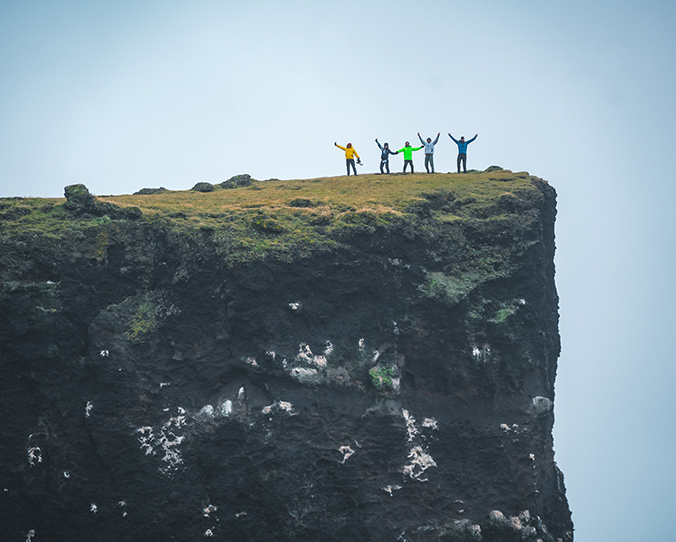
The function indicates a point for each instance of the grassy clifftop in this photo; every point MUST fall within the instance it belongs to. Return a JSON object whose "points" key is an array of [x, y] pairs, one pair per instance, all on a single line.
{"points": [[288, 219]]}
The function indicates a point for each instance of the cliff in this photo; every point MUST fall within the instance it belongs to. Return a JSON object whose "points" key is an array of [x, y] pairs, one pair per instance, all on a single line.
{"points": [[367, 358]]}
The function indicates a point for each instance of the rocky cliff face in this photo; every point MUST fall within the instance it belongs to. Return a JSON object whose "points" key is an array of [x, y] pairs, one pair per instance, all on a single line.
{"points": [[395, 385]]}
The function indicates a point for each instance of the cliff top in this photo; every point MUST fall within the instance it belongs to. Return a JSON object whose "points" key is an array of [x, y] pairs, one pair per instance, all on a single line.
{"points": [[252, 219]]}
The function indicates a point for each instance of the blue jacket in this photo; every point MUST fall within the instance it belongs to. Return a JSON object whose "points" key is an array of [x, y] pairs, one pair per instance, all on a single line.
{"points": [[462, 145]]}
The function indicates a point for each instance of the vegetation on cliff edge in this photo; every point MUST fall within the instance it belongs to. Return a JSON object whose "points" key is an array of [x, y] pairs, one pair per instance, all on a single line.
{"points": [[288, 219]]}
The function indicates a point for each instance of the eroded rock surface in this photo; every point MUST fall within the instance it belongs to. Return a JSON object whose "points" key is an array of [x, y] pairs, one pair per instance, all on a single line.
{"points": [[370, 392]]}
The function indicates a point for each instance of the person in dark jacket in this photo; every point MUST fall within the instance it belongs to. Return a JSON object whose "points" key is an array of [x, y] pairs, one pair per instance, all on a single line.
{"points": [[462, 150], [385, 156]]}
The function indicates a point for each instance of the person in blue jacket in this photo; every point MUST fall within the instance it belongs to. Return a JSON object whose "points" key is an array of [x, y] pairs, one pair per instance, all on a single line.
{"points": [[462, 150], [385, 156]]}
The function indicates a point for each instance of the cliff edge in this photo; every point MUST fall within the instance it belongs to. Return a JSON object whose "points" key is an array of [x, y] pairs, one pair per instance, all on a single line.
{"points": [[365, 358]]}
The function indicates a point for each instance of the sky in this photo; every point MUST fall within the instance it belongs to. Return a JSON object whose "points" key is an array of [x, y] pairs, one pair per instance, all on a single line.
{"points": [[131, 94]]}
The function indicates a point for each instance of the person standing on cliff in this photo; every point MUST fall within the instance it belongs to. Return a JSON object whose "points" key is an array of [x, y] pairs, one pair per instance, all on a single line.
{"points": [[384, 156], [408, 155], [429, 151], [350, 153], [462, 150]]}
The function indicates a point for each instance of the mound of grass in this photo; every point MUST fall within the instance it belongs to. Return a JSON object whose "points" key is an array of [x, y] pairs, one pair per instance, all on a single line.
{"points": [[292, 218]]}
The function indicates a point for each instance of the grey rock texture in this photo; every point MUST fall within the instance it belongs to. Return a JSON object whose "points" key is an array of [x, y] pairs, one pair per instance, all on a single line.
{"points": [[151, 392]]}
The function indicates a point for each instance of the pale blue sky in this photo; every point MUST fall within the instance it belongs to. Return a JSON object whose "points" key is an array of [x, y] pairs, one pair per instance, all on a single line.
{"points": [[131, 94]]}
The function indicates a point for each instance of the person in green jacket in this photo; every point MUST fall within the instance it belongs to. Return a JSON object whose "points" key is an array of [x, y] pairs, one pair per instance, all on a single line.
{"points": [[408, 155]]}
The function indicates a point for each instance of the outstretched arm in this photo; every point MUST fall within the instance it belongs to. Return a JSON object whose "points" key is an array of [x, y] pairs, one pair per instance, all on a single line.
{"points": [[342, 148], [417, 148]]}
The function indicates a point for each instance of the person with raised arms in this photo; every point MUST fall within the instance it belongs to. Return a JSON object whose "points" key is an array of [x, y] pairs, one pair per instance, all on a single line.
{"points": [[408, 155], [462, 150], [350, 153], [384, 156], [429, 151]]}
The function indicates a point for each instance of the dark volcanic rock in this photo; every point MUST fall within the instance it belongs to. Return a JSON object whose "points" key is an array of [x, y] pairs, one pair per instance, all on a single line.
{"points": [[80, 202], [366, 393], [149, 191], [203, 187], [237, 181]]}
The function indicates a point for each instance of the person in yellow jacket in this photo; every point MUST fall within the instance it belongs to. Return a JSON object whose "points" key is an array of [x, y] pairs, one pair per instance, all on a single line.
{"points": [[350, 153]]}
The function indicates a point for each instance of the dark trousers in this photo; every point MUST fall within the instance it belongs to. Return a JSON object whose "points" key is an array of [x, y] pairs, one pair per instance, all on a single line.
{"points": [[408, 162], [350, 162], [385, 163], [462, 157], [429, 162]]}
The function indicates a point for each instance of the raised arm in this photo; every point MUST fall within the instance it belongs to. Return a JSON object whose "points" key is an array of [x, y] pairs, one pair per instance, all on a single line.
{"points": [[470, 140], [437, 139], [379, 145], [421, 139], [342, 148], [449, 135]]}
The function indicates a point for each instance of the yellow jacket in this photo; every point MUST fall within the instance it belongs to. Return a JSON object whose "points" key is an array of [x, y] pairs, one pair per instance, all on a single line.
{"points": [[350, 153]]}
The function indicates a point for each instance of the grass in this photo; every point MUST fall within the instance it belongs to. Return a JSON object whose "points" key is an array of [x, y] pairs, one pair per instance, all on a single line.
{"points": [[285, 218]]}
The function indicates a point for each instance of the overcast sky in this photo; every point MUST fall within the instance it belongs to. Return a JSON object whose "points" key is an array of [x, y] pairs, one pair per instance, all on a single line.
{"points": [[130, 94]]}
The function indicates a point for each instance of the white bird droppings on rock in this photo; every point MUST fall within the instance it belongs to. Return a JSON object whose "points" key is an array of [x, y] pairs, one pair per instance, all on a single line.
{"points": [[209, 509], [390, 489], [431, 423], [226, 408], [410, 425], [420, 462], [347, 453], [34, 455]]}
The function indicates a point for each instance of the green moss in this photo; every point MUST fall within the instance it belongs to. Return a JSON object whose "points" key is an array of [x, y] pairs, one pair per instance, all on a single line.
{"points": [[248, 224], [383, 377], [143, 322]]}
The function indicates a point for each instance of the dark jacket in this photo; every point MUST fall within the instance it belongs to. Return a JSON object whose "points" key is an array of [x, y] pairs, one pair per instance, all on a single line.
{"points": [[385, 154]]}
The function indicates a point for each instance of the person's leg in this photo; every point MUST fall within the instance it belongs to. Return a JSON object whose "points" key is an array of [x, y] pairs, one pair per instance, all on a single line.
{"points": [[382, 163], [405, 164], [432, 162], [387, 166], [458, 162], [427, 162], [347, 164], [464, 163], [354, 168]]}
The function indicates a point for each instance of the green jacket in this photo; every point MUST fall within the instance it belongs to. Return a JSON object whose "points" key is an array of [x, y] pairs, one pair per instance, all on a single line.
{"points": [[408, 152]]}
